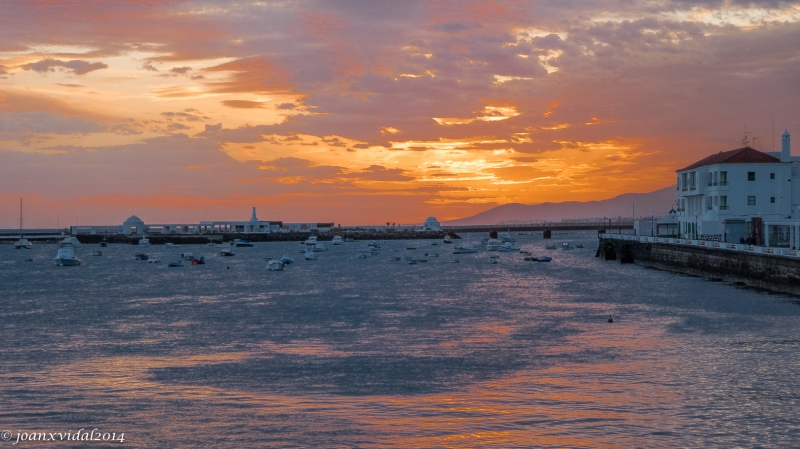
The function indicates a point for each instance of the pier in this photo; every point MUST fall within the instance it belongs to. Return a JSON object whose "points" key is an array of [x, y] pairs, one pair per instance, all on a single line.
{"points": [[610, 226], [767, 268]]}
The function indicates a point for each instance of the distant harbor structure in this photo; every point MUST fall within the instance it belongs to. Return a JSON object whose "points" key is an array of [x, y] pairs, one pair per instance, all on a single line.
{"points": [[134, 225]]}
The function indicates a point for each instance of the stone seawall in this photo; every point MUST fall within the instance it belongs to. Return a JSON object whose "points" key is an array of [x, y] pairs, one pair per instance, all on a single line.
{"points": [[764, 271]]}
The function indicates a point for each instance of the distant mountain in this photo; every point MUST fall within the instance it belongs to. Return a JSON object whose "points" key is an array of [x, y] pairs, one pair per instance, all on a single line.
{"points": [[659, 202]]}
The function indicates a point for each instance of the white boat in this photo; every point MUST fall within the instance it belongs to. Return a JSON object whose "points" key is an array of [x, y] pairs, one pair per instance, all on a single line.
{"points": [[465, 249], [171, 245], [508, 247], [411, 247], [67, 255], [241, 243], [311, 240], [337, 240], [492, 245], [227, 253], [310, 255], [144, 240], [447, 240], [187, 256], [566, 246], [141, 256], [176, 264], [275, 265], [505, 237], [22, 243], [550, 247], [319, 248], [286, 259]]}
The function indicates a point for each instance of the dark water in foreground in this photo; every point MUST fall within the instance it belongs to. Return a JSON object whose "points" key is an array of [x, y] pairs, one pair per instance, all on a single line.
{"points": [[343, 352]]}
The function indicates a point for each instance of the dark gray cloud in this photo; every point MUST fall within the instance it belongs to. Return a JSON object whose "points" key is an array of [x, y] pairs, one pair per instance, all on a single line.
{"points": [[77, 66]]}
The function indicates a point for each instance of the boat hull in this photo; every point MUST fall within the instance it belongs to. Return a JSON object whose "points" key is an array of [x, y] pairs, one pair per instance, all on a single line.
{"points": [[67, 262]]}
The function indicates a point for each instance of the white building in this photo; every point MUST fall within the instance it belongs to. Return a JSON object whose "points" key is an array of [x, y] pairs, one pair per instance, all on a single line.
{"points": [[431, 224], [741, 195]]}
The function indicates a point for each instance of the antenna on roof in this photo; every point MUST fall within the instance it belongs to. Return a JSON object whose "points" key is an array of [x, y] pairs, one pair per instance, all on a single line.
{"points": [[745, 140], [773, 129]]}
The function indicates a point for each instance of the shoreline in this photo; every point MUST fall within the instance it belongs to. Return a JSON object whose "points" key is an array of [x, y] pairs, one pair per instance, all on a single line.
{"points": [[157, 239]]}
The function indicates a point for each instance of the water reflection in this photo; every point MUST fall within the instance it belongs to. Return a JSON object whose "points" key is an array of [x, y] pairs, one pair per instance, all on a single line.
{"points": [[355, 353]]}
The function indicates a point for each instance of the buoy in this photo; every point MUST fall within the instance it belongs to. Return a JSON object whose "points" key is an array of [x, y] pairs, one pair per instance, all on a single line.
{"points": [[610, 320], [228, 267]]}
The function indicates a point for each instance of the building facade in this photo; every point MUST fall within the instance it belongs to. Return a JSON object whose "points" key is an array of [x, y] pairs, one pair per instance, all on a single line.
{"points": [[741, 196]]}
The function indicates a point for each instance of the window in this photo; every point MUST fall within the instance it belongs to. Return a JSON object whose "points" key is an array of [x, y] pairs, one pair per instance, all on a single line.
{"points": [[723, 178], [710, 178], [751, 200], [772, 199], [751, 176], [723, 202], [772, 176], [709, 203], [684, 184], [692, 180], [678, 184]]}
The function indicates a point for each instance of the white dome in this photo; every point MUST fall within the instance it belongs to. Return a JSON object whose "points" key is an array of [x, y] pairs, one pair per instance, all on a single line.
{"points": [[133, 220], [431, 220]]}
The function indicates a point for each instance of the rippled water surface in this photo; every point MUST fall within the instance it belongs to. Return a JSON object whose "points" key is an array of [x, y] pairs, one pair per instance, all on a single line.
{"points": [[345, 352]]}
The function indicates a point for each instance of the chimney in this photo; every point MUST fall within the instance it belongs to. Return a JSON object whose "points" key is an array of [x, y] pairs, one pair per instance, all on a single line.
{"points": [[786, 147]]}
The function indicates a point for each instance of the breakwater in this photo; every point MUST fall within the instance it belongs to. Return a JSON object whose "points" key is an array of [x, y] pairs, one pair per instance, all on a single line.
{"points": [[357, 235], [772, 269]]}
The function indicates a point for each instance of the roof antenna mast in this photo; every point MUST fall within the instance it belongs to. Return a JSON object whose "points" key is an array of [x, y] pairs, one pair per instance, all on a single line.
{"points": [[746, 140]]}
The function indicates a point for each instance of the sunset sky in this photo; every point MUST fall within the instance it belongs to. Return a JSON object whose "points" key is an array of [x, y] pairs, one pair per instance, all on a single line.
{"points": [[363, 112]]}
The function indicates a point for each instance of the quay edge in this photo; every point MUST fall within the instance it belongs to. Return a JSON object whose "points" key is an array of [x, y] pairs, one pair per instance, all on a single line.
{"points": [[765, 271]]}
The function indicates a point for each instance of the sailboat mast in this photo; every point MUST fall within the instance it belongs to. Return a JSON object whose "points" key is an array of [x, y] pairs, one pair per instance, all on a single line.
{"points": [[20, 215]]}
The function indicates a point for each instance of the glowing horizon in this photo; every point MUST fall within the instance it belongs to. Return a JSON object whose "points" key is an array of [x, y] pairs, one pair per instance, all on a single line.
{"points": [[356, 113]]}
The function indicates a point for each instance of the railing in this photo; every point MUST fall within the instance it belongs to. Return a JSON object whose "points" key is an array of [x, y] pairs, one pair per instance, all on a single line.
{"points": [[724, 207], [723, 183], [739, 247]]}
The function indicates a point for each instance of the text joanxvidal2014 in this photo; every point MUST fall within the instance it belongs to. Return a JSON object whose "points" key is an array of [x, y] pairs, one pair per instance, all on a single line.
{"points": [[80, 435]]}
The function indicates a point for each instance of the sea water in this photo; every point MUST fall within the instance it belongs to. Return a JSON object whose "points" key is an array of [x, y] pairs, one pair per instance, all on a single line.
{"points": [[374, 353]]}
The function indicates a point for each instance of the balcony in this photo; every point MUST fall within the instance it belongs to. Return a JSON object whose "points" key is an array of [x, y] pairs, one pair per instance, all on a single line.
{"points": [[724, 207]]}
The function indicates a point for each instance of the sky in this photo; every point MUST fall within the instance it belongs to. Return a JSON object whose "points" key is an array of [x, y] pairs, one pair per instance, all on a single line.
{"points": [[367, 112]]}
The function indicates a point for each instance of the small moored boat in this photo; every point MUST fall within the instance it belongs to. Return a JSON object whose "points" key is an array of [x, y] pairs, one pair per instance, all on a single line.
{"points": [[227, 253], [67, 255], [275, 265]]}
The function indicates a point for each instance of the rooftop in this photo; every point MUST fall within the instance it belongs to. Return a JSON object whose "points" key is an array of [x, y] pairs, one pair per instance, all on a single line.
{"points": [[744, 155]]}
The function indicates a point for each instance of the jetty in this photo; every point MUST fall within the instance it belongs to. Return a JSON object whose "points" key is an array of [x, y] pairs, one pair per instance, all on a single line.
{"points": [[762, 267]]}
